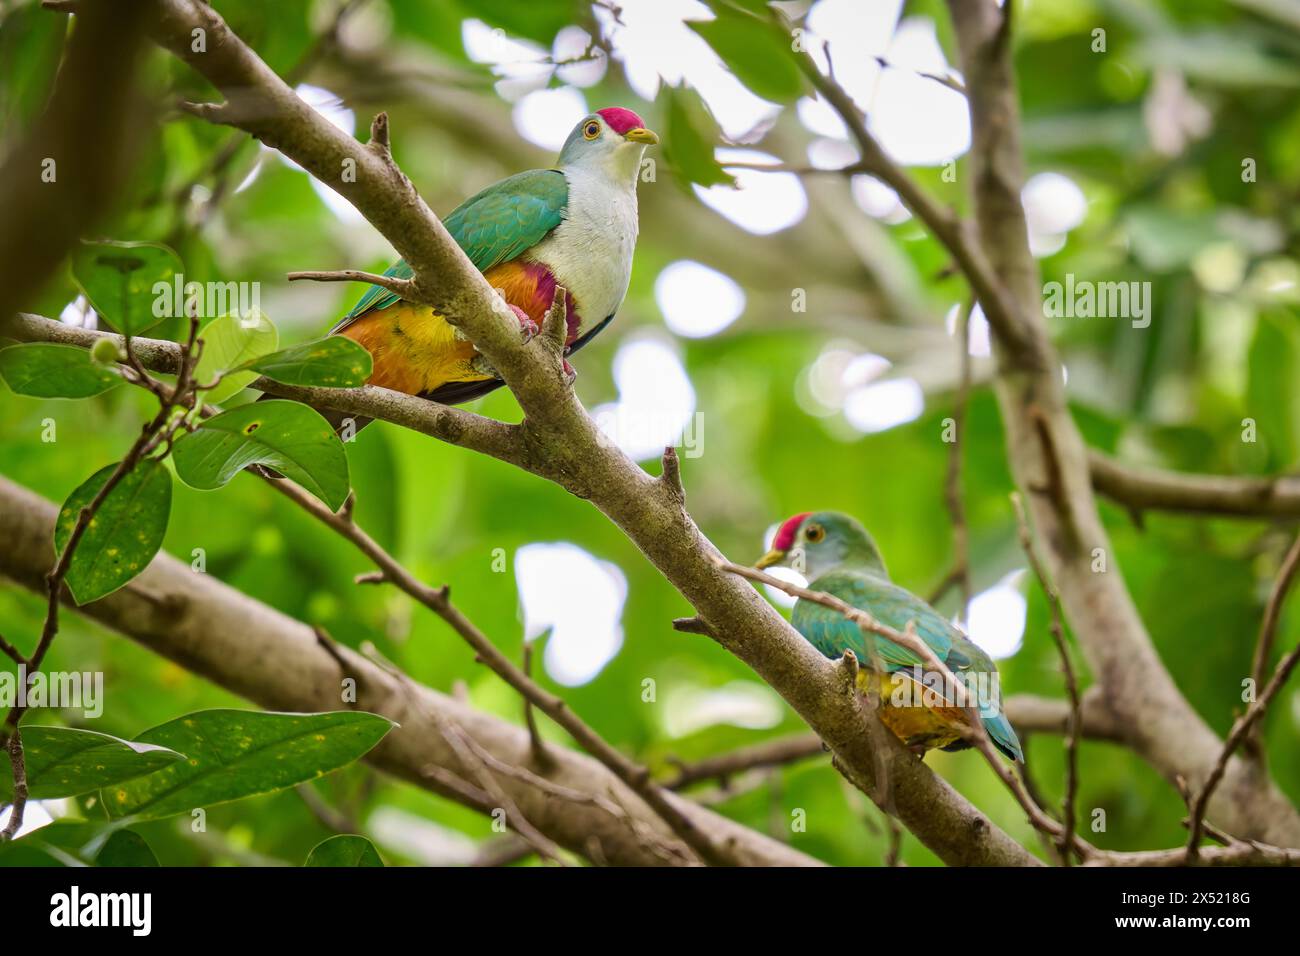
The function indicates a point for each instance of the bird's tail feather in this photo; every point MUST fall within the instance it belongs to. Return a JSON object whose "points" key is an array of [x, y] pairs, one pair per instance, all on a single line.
{"points": [[1004, 736]]}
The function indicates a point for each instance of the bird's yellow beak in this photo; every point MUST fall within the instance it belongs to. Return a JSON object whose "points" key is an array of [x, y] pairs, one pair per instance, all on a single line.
{"points": [[639, 134], [769, 559]]}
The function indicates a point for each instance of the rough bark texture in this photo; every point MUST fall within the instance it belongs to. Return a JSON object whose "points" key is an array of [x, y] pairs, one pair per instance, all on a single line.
{"points": [[653, 516], [560, 441], [277, 662], [1140, 489], [1050, 462]]}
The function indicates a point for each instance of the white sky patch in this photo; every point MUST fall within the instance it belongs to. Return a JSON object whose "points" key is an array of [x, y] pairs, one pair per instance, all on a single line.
{"points": [[917, 120], [492, 45], [820, 117], [858, 33], [656, 401], [880, 406], [655, 45], [821, 386], [546, 117], [521, 64], [35, 816], [1054, 204], [864, 369], [761, 203], [997, 617], [745, 704], [579, 599], [78, 312], [980, 344], [697, 301], [571, 43], [878, 200], [826, 153]]}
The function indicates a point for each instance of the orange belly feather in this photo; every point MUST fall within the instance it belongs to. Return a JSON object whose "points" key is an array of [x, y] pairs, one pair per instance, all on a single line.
{"points": [[414, 349]]}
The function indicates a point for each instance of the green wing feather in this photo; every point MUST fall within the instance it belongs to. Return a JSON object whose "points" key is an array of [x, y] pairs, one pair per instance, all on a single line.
{"points": [[493, 226], [832, 634]]}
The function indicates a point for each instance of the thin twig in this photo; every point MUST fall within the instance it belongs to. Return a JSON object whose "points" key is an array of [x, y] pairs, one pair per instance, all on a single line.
{"points": [[1243, 724], [771, 753], [1075, 722], [11, 652], [155, 432], [953, 233], [1268, 628], [15, 748], [545, 847], [953, 482], [974, 733], [535, 741], [437, 600], [401, 287]]}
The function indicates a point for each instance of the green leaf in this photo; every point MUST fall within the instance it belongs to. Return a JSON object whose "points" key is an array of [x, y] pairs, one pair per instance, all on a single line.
{"points": [[50, 370], [757, 52], [62, 762], [689, 139], [30, 44], [229, 343], [1272, 394], [239, 753], [289, 437], [119, 279], [124, 534], [126, 848], [536, 21], [333, 362], [344, 850], [32, 850]]}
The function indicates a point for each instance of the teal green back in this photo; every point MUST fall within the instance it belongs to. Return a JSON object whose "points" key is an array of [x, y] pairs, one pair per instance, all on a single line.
{"points": [[493, 226], [832, 634]]}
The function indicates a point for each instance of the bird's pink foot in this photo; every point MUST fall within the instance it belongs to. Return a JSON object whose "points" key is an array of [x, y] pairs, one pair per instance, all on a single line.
{"points": [[527, 327], [570, 374]]}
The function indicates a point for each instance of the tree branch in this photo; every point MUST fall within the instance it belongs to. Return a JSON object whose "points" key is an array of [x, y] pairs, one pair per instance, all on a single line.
{"points": [[1075, 719], [770, 753], [439, 601], [455, 426], [1241, 728], [560, 441], [258, 653], [401, 287], [1050, 463], [953, 690], [1139, 488]]}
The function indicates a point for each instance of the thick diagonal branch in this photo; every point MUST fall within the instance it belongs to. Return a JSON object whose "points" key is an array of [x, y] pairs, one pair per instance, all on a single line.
{"points": [[257, 652], [1050, 462], [558, 439]]}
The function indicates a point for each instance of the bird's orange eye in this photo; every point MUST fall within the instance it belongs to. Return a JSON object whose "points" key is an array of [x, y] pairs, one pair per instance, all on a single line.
{"points": [[591, 130], [814, 533]]}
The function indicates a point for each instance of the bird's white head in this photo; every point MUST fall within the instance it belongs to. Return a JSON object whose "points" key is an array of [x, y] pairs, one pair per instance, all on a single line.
{"points": [[610, 141]]}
